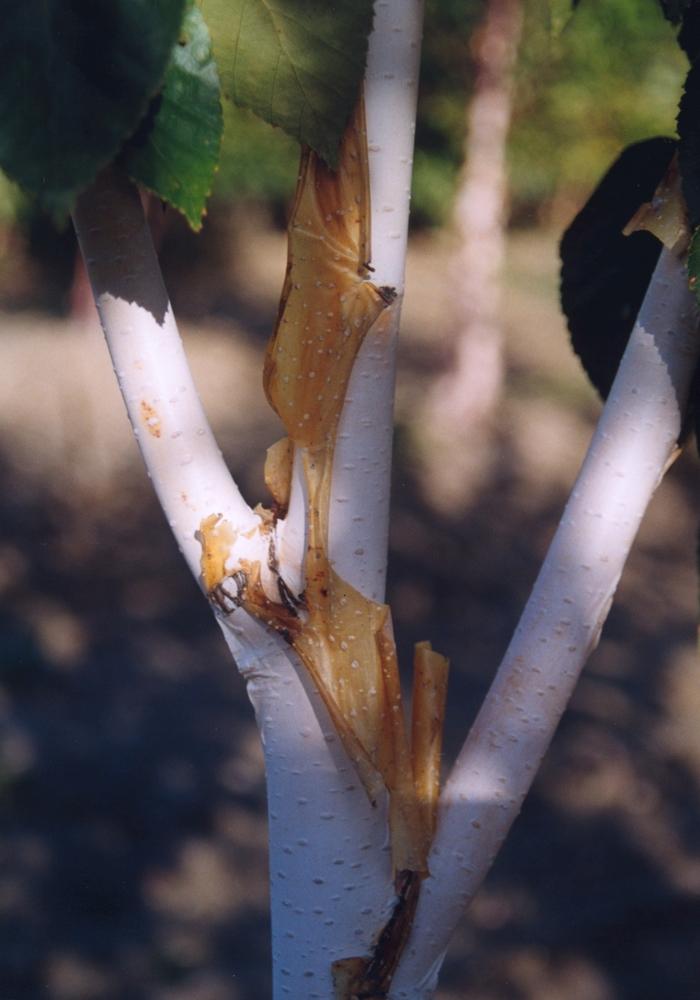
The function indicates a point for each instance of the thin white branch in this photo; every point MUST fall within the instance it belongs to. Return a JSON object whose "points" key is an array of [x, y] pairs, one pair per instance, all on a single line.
{"points": [[178, 447], [391, 93], [562, 621], [331, 878], [360, 493]]}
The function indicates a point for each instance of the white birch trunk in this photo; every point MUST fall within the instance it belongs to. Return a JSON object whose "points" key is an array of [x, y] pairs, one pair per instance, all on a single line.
{"points": [[561, 624], [331, 879], [330, 862], [329, 855]]}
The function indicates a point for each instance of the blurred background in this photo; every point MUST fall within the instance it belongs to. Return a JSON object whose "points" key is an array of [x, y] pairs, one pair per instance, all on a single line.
{"points": [[132, 823]]}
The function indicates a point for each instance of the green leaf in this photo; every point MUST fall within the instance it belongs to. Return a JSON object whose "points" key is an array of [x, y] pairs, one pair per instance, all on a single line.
{"points": [[296, 63], [76, 77], [605, 274], [176, 151]]}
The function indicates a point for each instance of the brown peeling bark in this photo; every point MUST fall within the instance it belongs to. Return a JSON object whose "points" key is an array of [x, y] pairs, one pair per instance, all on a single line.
{"points": [[665, 216], [370, 978], [278, 473], [343, 639], [328, 306], [430, 672]]}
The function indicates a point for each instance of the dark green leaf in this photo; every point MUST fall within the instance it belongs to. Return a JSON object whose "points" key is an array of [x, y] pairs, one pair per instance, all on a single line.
{"points": [[605, 274], [76, 77], [296, 63], [176, 150], [689, 143]]}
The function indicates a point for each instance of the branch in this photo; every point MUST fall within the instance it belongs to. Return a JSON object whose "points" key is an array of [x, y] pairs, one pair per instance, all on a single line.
{"points": [[331, 877], [360, 491], [321, 822], [176, 442], [561, 624]]}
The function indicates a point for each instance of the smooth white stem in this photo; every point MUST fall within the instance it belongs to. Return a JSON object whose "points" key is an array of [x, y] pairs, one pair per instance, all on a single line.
{"points": [[359, 519], [561, 623], [176, 442], [330, 861], [331, 878]]}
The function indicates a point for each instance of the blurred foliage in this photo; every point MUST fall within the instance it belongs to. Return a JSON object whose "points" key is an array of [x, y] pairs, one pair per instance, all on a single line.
{"points": [[442, 103], [612, 77], [258, 162], [11, 199]]}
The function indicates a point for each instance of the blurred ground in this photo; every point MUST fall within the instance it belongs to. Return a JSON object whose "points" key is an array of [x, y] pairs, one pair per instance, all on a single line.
{"points": [[132, 829]]}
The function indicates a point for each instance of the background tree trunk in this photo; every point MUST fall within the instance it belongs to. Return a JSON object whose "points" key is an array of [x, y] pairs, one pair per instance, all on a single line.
{"points": [[465, 396]]}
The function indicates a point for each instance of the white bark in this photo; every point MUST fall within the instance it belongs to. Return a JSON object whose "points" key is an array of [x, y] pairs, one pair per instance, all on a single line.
{"points": [[331, 880], [330, 863], [329, 853], [561, 623], [359, 516], [176, 442]]}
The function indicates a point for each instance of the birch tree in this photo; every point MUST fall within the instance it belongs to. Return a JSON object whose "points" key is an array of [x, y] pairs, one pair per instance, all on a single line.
{"points": [[371, 865]]}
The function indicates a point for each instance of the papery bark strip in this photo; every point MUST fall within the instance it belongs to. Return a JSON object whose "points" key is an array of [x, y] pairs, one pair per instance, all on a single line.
{"points": [[176, 441], [360, 489]]}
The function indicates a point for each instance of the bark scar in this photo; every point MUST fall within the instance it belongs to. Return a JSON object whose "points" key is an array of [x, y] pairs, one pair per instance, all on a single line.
{"points": [[370, 978]]}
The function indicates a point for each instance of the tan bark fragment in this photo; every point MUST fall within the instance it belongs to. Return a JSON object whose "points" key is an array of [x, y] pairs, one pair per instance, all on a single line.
{"points": [[151, 419], [278, 472], [430, 672], [665, 215], [344, 639], [217, 538]]}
